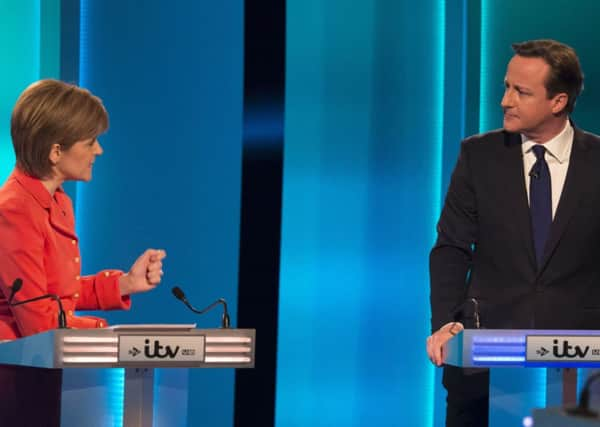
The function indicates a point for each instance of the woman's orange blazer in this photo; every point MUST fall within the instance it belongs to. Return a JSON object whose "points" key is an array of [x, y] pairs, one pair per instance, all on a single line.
{"points": [[38, 245]]}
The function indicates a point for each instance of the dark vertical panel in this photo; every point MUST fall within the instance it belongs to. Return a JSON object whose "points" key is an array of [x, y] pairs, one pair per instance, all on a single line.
{"points": [[473, 66], [69, 40], [69, 58], [50, 11], [262, 163]]}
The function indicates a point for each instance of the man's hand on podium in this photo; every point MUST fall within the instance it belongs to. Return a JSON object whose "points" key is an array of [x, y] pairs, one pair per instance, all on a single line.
{"points": [[437, 341]]}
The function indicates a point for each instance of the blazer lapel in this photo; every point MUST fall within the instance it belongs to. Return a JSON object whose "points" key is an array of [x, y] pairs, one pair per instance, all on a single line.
{"points": [[517, 199], [570, 195], [61, 214]]}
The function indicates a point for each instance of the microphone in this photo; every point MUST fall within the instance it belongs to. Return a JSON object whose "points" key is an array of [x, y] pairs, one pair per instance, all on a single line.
{"points": [[476, 315], [225, 322], [16, 287]]}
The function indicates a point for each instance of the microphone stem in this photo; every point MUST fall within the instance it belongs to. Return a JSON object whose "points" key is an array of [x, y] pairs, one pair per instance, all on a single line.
{"points": [[225, 321], [62, 318], [204, 310], [476, 313]]}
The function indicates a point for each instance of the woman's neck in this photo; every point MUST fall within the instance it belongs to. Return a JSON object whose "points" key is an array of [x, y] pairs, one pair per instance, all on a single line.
{"points": [[52, 184]]}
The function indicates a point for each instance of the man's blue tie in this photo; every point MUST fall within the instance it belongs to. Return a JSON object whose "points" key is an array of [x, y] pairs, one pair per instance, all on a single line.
{"points": [[540, 202]]}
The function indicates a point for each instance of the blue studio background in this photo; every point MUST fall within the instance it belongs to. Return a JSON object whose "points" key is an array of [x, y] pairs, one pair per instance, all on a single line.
{"points": [[171, 78], [378, 94]]}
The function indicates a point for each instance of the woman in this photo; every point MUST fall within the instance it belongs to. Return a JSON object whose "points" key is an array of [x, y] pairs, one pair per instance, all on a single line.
{"points": [[54, 128]]}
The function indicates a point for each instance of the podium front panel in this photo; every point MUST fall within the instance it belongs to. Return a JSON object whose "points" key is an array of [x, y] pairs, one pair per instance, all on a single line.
{"points": [[111, 373]]}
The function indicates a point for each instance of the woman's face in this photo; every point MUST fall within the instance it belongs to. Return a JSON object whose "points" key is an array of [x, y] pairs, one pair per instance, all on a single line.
{"points": [[75, 164]]}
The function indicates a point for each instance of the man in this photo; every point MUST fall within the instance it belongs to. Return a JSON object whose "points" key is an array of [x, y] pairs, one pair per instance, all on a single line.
{"points": [[520, 227]]}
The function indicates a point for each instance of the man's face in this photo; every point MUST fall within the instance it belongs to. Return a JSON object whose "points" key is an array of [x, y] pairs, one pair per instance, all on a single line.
{"points": [[526, 106]]}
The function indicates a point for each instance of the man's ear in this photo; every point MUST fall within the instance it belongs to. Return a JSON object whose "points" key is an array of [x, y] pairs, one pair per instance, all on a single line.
{"points": [[55, 153], [559, 102]]}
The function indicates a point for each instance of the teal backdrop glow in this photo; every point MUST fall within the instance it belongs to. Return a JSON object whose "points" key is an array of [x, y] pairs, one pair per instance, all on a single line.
{"points": [[362, 179], [378, 95], [377, 99]]}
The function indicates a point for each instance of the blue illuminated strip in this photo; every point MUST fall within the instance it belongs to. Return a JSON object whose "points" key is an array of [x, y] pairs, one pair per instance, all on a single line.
{"points": [[538, 364], [116, 384], [83, 61], [156, 394], [499, 359], [83, 42], [437, 161], [440, 80], [483, 78], [499, 349], [508, 339], [582, 375]]}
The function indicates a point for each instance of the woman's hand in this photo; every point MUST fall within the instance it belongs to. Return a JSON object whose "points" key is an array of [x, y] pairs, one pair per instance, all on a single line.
{"points": [[145, 273]]}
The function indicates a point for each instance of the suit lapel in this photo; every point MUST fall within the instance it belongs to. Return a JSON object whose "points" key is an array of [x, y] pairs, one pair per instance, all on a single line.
{"points": [[570, 195], [517, 199]]}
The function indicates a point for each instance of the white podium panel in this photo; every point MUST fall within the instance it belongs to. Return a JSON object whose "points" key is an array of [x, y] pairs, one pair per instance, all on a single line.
{"points": [[93, 359]]}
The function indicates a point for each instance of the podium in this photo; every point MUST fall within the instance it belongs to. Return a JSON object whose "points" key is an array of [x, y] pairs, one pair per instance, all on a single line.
{"points": [[87, 355], [528, 368], [557, 417]]}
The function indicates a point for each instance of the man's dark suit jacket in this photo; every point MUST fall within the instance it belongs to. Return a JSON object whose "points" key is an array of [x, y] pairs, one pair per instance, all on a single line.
{"points": [[485, 248]]}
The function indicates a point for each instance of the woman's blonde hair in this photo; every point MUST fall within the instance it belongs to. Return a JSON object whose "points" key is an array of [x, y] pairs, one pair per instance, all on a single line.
{"points": [[52, 112]]}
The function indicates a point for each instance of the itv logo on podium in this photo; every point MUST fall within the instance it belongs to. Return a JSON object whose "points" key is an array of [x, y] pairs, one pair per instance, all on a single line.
{"points": [[577, 351], [562, 348], [155, 350], [164, 348]]}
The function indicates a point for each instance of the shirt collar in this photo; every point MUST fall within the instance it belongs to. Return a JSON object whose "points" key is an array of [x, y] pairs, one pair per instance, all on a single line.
{"points": [[35, 187], [558, 147]]}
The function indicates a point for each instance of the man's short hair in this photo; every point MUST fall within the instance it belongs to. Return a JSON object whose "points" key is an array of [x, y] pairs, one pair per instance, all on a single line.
{"points": [[565, 71], [52, 112]]}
